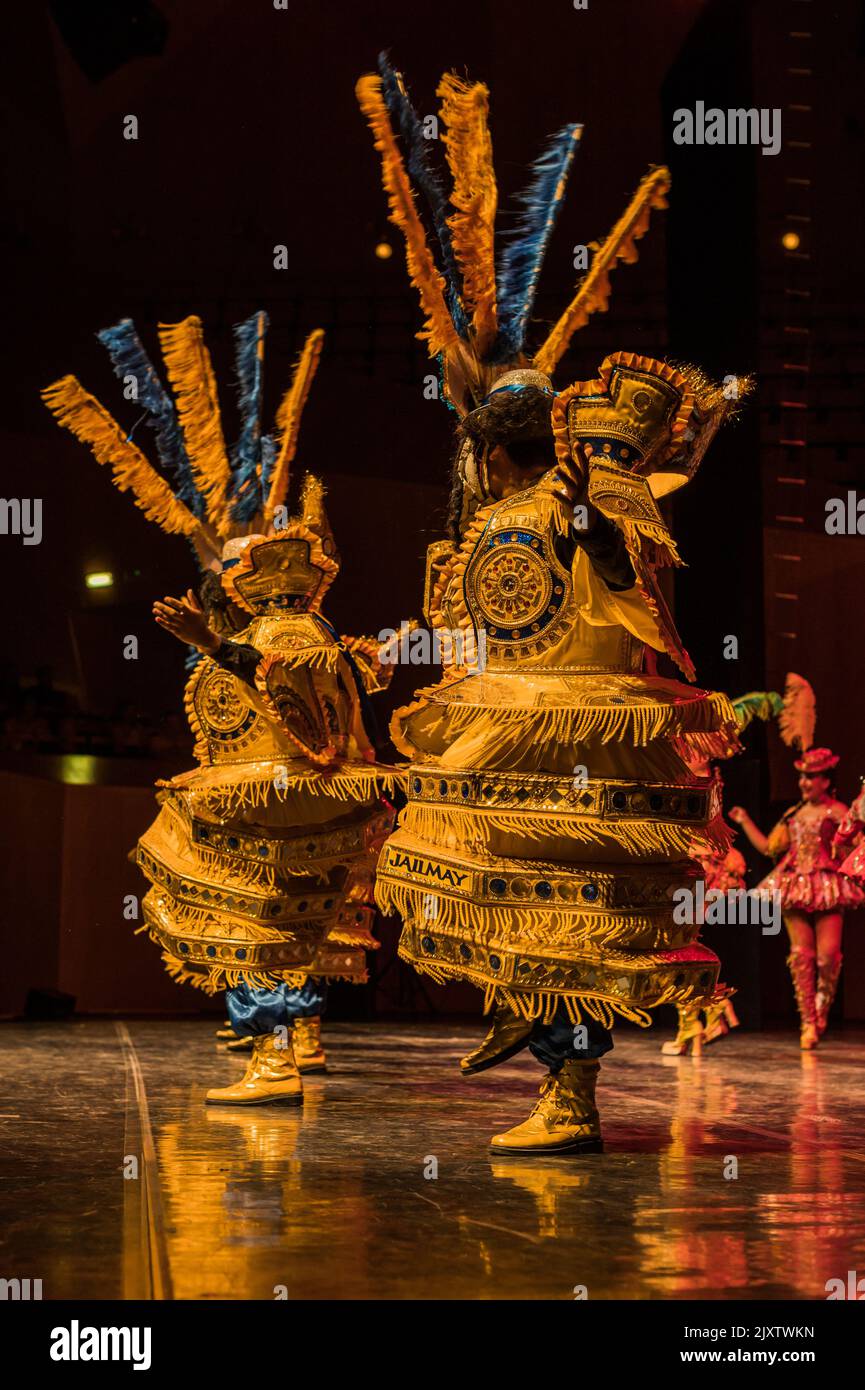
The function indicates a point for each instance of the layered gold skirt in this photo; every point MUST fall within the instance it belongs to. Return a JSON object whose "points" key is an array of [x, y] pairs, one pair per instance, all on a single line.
{"points": [[263, 871], [551, 823]]}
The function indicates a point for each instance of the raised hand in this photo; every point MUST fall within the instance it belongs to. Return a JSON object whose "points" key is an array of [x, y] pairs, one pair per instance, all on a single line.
{"points": [[572, 476], [184, 619]]}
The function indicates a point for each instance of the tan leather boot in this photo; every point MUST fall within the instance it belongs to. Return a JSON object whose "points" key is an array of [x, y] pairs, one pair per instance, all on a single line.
{"points": [[828, 972], [801, 964], [508, 1035], [564, 1120], [308, 1051], [271, 1078]]}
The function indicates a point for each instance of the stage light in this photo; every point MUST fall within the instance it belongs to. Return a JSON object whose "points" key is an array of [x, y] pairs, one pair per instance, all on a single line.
{"points": [[384, 250], [790, 241], [99, 579], [79, 770]]}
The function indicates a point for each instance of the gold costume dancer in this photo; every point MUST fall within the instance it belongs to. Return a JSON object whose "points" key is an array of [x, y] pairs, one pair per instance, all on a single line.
{"points": [[261, 859], [551, 813]]}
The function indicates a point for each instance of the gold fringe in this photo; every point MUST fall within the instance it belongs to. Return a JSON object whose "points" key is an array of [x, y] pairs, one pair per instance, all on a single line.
{"points": [[249, 792], [200, 919], [723, 743], [191, 374], [638, 837], [366, 651], [438, 328], [288, 421], [487, 923], [640, 723], [229, 872], [593, 294], [664, 550], [85, 417], [218, 978], [464, 110], [657, 605], [314, 657], [358, 938], [543, 1006]]}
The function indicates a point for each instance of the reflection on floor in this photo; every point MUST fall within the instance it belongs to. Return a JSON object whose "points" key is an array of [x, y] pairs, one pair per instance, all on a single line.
{"points": [[339, 1200]]}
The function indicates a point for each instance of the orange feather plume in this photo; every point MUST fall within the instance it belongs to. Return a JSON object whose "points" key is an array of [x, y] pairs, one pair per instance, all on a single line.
{"points": [[191, 374], [288, 421], [593, 295], [438, 328], [798, 719], [85, 417], [464, 111]]}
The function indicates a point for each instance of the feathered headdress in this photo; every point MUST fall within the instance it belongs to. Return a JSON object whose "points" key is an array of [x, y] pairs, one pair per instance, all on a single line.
{"points": [[795, 710], [213, 492], [798, 718], [476, 307]]}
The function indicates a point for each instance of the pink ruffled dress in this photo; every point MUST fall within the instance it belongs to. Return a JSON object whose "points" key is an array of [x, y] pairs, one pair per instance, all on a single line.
{"points": [[808, 876], [850, 841]]}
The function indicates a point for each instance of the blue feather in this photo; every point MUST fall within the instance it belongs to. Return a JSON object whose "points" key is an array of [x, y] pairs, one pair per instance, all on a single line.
{"points": [[523, 257], [129, 358], [268, 459], [246, 455], [427, 179]]}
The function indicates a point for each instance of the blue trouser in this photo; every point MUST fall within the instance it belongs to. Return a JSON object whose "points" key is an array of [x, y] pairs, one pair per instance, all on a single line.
{"points": [[556, 1042], [254, 1011]]}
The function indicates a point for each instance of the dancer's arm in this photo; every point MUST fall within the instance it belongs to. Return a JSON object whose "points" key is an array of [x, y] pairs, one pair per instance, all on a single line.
{"points": [[751, 829], [185, 619], [602, 540]]}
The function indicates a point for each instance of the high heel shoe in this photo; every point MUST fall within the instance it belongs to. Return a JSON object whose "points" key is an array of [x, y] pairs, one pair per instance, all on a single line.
{"points": [[720, 1019], [689, 1037]]}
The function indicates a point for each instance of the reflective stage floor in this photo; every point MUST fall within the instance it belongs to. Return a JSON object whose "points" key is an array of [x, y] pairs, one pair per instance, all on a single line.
{"points": [[741, 1175]]}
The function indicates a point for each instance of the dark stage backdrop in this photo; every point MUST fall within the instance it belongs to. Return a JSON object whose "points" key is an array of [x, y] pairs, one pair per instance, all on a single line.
{"points": [[249, 137]]}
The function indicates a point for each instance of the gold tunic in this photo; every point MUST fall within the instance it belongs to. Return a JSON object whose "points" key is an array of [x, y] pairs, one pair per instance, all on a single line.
{"points": [[262, 859], [550, 817]]}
